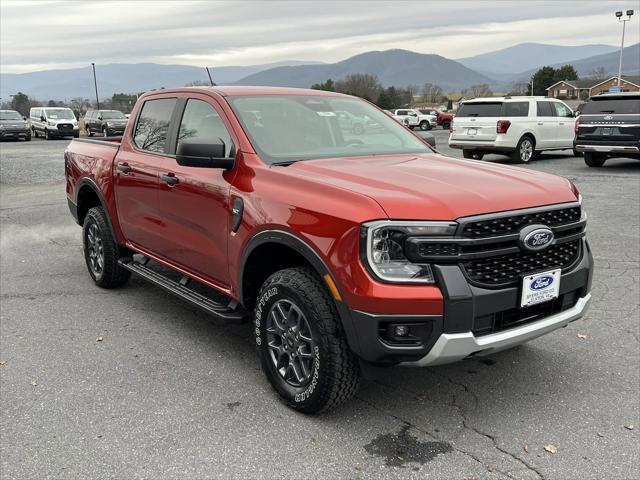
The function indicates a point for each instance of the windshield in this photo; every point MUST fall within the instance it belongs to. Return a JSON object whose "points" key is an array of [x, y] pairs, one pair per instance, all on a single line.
{"points": [[620, 106], [60, 114], [303, 127], [10, 115], [111, 114]]}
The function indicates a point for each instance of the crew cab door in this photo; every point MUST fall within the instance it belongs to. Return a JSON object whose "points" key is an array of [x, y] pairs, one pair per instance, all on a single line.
{"points": [[546, 125], [137, 167], [194, 202], [566, 125]]}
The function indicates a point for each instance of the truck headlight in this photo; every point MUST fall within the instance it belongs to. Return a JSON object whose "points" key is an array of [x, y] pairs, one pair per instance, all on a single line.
{"points": [[382, 246], [51, 124]]}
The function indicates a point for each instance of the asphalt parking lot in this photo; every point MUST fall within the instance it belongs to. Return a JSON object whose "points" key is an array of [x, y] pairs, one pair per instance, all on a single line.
{"points": [[132, 383]]}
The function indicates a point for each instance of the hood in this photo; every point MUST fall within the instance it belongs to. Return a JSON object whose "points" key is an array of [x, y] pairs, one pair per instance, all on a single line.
{"points": [[435, 187]]}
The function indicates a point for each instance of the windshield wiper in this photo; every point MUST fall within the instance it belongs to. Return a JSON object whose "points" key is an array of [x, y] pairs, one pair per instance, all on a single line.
{"points": [[607, 111], [285, 163]]}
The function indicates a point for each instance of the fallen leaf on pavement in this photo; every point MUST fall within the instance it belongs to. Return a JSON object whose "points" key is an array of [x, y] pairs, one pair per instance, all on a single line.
{"points": [[629, 427], [582, 335], [600, 434], [3, 363], [359, 467], [492, 468], [525, 447], [34, 384], [99, 339], [551, 448]]}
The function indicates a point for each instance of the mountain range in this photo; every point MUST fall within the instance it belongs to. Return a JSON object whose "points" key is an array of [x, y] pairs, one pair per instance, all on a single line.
{"points": [[397, 67]]}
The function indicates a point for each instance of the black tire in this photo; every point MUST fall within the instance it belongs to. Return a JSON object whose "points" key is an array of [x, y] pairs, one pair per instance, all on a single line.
{"points": [[27, 138], [105, 132], [88, 130], [35, 132], [76, 134], [425, 125], [525, 150], [472, 154], [109, 274], [331, 371], [594, 160], [577, 153], [446, 124], [47, 135]]}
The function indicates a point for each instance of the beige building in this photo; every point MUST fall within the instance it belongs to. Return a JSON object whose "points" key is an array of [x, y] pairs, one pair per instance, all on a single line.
{"points": [[582, 89]]}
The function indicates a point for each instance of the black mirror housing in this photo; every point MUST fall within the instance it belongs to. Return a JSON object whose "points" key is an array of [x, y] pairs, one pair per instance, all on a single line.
{"points": [[42, 119], [202, 154]]}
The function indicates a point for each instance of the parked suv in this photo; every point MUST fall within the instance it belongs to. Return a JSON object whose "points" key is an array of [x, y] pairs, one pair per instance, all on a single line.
{"points": [[13, 125], [105, 122], [609, 127], [412, 119], [259, 204], [54, 122], [519, 127]]}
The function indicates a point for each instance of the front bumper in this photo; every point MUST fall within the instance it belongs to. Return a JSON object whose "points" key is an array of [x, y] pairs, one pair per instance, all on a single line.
{"points": [[21, 133], [465, 328]]}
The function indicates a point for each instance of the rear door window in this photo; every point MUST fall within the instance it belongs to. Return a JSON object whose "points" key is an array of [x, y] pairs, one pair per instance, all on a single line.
{"points": [[515, 109], [480, 109], [619, 106], [544, 109], [153, 125]]}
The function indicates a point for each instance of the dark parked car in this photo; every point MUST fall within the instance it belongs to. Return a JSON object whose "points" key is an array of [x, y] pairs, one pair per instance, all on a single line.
{"points": [[105, 122], [13, 125], [609, 126]]}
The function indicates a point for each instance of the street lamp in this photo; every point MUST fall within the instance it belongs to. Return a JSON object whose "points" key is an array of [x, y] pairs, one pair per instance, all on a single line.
{"points": [[624, 24], [95, 84]]}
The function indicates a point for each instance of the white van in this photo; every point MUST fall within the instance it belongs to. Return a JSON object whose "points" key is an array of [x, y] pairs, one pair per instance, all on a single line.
{"points": [[54, 122]]}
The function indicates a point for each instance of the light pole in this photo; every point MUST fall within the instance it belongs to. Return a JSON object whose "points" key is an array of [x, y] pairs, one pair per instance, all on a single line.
{"points": [[624, 24], [95, 84]]}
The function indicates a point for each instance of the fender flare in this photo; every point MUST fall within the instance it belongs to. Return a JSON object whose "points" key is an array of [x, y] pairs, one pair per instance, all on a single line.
{"points": [[303, 248], [90, 183]]}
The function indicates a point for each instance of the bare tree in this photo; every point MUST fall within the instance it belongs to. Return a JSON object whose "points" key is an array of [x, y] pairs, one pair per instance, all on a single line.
{"points": [[599, 73], [431, 92], [363, 85], [481, 90], [519, 88]]}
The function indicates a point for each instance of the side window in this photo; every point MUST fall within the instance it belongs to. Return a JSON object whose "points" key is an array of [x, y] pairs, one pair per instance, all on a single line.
{"points": [[402, 112], [200, 120], [515, 109], [544, 109], [562, 110], [153, 124]]}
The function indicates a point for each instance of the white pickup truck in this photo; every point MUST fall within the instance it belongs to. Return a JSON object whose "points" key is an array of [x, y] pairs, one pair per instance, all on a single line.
{"points": [[412, 118]]}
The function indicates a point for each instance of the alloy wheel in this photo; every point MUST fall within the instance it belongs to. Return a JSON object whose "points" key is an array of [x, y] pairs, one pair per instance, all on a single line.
{"points": [[526, 150], [95, 249], [290, 343]]}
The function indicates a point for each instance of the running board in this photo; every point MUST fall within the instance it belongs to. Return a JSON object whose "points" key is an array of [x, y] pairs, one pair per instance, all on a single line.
{"points": [[224, 312]]}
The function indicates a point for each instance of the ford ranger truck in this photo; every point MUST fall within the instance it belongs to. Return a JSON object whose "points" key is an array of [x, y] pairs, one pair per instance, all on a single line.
{"points": [[257, 204]]}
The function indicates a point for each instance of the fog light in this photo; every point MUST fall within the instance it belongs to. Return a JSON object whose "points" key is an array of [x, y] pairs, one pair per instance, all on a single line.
{"points": [[401, 330]]}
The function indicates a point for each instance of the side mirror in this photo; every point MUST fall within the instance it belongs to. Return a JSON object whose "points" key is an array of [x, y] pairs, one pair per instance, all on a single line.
{"points": [[201, 154], [100, 117], [42, 119], [24, 118]]}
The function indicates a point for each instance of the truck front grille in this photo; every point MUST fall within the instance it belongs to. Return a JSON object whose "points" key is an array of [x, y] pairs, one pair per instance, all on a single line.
{"points": [[65, 127], [508, 224], [504, 270]]}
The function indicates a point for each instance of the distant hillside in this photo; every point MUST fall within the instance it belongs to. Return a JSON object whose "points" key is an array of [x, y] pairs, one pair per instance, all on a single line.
{"points": [[393, 67], [117, 78], [528, 56], [608, 61]]}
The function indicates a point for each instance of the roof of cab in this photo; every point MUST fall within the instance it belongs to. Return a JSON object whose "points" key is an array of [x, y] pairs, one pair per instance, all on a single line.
{"points": [[238, 91]]}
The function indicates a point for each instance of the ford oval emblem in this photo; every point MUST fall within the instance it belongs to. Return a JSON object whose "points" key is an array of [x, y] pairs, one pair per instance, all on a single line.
{"points": [[609, 117], [536, 237], [541, 282]]}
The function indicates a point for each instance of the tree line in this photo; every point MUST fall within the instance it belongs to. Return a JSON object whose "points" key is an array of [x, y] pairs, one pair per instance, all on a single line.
{"points": [[22, 103]]}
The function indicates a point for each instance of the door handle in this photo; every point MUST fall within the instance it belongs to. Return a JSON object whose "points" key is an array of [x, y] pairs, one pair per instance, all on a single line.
{"points": [[169, 179], [540, 123], [124, 167], [561, 123]]}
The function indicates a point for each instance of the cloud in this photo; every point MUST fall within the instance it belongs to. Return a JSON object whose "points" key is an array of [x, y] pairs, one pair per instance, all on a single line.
{"points": [[70, 34]]}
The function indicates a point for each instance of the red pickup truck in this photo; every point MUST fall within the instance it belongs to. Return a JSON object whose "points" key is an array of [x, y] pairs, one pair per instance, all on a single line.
{"points": [[255, 204]]}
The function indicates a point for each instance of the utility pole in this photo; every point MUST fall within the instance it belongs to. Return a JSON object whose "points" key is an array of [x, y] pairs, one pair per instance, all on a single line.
{"points": [[624, 24], [210, 79], [95, 84]]}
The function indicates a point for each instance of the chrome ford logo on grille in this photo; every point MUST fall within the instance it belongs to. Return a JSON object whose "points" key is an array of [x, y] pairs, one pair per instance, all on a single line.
{"points": [[535, 237]]}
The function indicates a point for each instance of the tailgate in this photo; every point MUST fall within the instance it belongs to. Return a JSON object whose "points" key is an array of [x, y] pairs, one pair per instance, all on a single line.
{"points": [[474, 128], [609, 128]]}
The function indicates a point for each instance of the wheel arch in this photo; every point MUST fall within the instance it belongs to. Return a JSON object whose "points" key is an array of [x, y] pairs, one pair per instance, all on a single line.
{"points": [[88, 196], [260, 259]]}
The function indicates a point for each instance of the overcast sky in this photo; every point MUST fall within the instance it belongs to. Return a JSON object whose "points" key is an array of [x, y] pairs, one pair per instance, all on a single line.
{"points": [[40, 35]]}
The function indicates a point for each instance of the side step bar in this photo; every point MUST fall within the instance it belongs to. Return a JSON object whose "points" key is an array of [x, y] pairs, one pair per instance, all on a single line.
{"points": [[179, 289]]}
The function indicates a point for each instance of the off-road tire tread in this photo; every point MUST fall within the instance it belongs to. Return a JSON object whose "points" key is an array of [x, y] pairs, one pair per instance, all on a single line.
{"points": [[114, 275], [342, 364]]}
